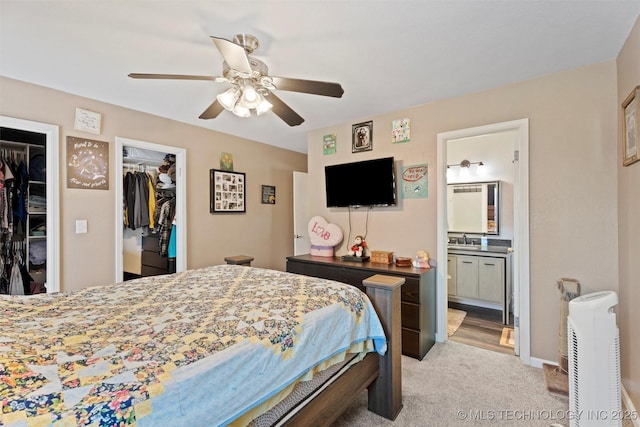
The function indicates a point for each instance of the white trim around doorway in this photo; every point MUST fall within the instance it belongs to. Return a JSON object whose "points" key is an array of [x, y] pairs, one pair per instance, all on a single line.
{"points": [[52, 133], [521, 230], [181, 200]]}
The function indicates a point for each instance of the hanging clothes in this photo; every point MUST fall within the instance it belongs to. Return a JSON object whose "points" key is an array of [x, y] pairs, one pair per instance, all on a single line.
{"points": [[152, 203], [138, 200], [165, 220], [171, 250], [19, 198], [16, 286]]}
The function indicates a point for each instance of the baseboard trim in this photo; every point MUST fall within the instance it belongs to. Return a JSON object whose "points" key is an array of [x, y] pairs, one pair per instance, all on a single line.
{"points": [[537, 363], [630, 408]]}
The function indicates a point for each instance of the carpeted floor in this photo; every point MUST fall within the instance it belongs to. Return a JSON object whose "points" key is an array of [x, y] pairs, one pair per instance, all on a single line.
{"points": [[459, 385], [454, 320]]}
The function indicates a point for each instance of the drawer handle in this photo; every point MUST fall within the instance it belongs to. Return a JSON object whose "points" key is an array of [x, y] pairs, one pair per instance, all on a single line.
{"points": [[486, 263], [467, 262]]}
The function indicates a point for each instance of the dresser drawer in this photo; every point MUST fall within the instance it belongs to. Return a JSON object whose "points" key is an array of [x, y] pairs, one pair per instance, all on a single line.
{"points": [[410, 315], [355, 277], [154, 259], [411, 290], [147, 270], [150, 243], [315, 270], [411, 343]]}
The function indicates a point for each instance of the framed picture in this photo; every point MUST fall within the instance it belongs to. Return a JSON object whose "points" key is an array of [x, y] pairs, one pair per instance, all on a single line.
{"points": [[87, 121], [87, 164], [227, 191], [631, 127], [269, 194], [362, 137]]}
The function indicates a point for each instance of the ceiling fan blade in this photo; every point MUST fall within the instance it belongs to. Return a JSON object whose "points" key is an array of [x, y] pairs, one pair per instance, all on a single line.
{"points": [[308, 86], [234, 55], [173, 76], [283, 111], [212, 111]]}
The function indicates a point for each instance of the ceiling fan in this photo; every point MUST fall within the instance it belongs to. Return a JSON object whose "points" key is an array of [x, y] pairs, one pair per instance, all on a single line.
{"points": [[252, 86]]}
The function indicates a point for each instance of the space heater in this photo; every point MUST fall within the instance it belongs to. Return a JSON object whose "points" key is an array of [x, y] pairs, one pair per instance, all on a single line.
{"points": [[594, 360]]}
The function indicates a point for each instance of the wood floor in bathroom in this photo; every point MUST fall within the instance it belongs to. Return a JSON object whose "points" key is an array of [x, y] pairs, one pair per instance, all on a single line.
{"points": [[481, 327]]}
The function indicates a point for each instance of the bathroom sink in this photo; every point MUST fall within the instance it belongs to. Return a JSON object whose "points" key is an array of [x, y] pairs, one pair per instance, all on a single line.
{"points": [[464, 247]]}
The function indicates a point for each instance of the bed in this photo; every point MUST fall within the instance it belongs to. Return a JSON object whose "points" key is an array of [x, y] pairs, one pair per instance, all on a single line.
{"points": [[214, 346]]}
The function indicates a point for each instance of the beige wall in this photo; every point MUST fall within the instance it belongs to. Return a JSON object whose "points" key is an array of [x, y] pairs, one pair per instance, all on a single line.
{"points": [[628, 231], [264, 232], [573, 157]]}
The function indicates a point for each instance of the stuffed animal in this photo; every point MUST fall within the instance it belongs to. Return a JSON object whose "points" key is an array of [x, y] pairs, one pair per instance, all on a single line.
{"points": [[421, 260], [359, 247]]}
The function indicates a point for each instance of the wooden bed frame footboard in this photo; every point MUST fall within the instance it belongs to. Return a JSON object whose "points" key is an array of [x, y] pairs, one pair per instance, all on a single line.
{"points": [[381, 374]]}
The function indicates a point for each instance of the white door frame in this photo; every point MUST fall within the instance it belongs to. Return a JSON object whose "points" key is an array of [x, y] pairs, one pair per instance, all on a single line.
{"points": [[181, 200], [301, 240], [51, 133], [520, 257]]}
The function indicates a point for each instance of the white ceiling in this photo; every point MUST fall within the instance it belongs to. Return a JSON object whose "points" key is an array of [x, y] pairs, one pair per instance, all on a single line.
{"points": [[388, 55]]}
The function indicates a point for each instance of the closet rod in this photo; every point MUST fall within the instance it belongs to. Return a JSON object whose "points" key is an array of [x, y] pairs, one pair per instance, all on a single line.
{"points": [[19, 144]]}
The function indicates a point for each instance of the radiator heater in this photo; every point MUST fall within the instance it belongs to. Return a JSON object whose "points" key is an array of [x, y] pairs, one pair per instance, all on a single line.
{"points": [[594, 360]]}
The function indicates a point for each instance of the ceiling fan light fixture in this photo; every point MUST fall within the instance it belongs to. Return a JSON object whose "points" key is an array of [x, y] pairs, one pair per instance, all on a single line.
{"points": [[250, 96], [264, 106], [251, 84], [229, 98], [241, 111]]}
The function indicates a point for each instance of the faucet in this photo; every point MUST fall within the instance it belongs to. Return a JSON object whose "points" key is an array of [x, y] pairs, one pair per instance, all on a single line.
{"points": [[464, 238]]}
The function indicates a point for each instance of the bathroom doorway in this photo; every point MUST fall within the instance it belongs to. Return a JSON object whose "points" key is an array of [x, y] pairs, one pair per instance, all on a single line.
{"points": [[520, 255], [480, 208], [122, 144]]}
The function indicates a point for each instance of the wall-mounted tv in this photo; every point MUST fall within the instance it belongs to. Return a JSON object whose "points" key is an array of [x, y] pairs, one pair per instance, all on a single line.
{"points": [[365, 183]]}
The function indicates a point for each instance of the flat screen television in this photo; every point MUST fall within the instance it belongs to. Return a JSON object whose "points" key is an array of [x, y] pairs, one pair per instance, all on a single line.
{"points": [[365, 183]]}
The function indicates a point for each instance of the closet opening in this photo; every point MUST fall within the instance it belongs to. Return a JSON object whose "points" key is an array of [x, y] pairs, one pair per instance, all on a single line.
{"points": [[151, 211], [29, 260], [149, 234]]}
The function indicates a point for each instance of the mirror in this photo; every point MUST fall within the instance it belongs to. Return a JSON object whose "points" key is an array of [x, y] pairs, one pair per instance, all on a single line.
{"points": [[473, 207]]}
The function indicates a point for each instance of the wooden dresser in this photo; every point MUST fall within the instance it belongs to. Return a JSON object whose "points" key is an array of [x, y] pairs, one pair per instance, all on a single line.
{"points": [[418, 293]]}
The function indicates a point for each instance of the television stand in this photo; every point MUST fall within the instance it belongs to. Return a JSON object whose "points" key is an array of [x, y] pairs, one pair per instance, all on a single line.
{"points": [[418, 294], [355, 258]]}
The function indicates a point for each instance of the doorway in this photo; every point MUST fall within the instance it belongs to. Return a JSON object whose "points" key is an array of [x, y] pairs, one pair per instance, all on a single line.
{"points": [[520, 256], [180, 200], [301, 241], [50, 135]]}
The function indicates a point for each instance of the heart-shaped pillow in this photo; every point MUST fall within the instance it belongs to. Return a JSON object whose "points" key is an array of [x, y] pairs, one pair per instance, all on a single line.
{"points": [[323, 236]]}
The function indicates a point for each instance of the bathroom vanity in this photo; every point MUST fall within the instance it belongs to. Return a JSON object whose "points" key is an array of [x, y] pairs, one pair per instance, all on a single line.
{"points": [[480, 276]]}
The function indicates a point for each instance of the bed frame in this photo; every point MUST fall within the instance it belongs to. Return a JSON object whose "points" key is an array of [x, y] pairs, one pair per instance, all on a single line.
{"points": [[381, 374]]}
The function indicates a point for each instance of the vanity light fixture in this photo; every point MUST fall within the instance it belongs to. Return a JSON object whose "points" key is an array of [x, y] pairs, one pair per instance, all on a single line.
{"points": [[466, 164]]}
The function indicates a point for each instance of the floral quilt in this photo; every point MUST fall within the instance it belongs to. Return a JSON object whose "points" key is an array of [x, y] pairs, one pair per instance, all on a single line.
{"points": [[199, 348]]}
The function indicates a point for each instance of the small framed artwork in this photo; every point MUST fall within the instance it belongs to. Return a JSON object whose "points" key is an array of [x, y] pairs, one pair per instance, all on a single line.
{"points": [[631, 127], [362, 137], [226, 162], [227, 191], [87, 121], [329, 144], [400, 131], [269, 194]]}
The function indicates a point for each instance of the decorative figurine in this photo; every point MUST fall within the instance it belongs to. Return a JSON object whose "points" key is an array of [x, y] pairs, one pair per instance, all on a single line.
{"points": [[359, 247], [421, 260]]}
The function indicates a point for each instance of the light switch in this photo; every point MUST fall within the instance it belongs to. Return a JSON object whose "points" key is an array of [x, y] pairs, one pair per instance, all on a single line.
{"points": [[81, 226]]}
